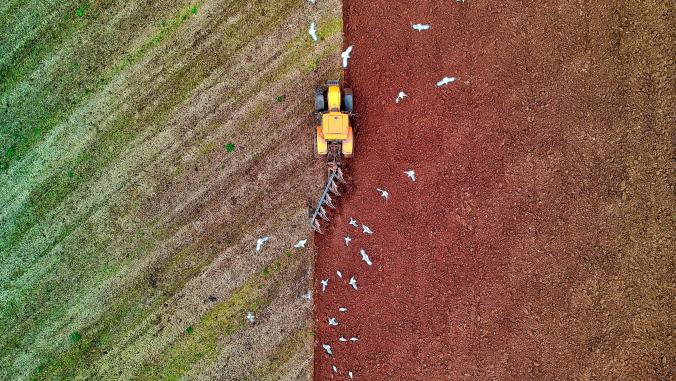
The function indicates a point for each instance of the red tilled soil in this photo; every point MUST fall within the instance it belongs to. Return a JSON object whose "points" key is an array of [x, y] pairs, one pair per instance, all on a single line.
{"points": [[535, 243]]}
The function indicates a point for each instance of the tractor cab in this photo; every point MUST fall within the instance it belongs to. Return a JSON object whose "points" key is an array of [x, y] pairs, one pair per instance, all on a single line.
{"points": [[335, 135]]}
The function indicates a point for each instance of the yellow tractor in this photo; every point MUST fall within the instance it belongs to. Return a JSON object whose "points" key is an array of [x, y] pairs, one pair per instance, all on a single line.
{"points": [[335, 133], [334, 139]]}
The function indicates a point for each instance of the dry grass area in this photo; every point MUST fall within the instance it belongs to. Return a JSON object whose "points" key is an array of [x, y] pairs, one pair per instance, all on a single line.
{"points": [[145, 147]]}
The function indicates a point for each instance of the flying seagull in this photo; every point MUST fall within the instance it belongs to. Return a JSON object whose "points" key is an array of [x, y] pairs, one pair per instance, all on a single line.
{"points": [[383, 193], [411, 174], [260, 242], [353, 338], [365, 257], [353, 222], [446, 81], [307, 295], [346, 55], [313, 31], [300, 243], [250, 317], [342, 309], [340, 275], [344, 340], [325, 282], [347, 240], [333, 322], [366, 229], [327, 348], [353, 283], [400, 97], [420, 27]]}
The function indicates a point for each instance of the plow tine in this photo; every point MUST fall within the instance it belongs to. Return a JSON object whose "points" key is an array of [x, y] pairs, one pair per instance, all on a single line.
{"points": [[339, 175], [335, 174], [316, 227], [322, 214], [329, 202], [334, 188]]}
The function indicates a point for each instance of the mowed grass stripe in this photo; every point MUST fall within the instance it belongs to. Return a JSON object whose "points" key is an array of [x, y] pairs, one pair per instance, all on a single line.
{"points": [[126, 307], [281, 355], [72, 285], [78, 71], [53, 190], [171, 93], [40, 105], [101, 155], [49, 74], [221, 322], [34, 30], [128, 314]]}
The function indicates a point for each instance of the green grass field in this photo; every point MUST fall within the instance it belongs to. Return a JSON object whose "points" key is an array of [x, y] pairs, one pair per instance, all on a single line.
{"points": [[143, 149]]}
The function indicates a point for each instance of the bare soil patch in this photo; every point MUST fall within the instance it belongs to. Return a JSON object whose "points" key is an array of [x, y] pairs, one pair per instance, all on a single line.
{"points": [[535, 242]]}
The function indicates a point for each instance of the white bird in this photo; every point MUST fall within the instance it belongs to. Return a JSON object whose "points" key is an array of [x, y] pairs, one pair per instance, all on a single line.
{"points": [[325, 282], [250, 317], [333, 322], [307, 295], [366, 229], [312, 1], [411, 174], [353, 283], [353, 338], [353, 222], [300, 243], [340, 275], [446, 81], [365, 257], [346, 56], [383, 193], [344, 340], [342, 309], [313, 31], [420, 27], [335, 370], [260, 242], [327, 348], [400, 97], [349, 373], [347, 240]]}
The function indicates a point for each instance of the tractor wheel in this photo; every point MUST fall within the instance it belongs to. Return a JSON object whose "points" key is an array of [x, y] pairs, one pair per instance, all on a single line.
{"points": [[347, 101], [347, 156], [319, 100]]}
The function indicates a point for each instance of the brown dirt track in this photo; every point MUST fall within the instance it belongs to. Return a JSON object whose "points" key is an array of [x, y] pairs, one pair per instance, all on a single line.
{"points": [[534, 244]]}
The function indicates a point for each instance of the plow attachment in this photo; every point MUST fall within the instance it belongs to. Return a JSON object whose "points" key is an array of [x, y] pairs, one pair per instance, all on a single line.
{"points": [[331, 187]]}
